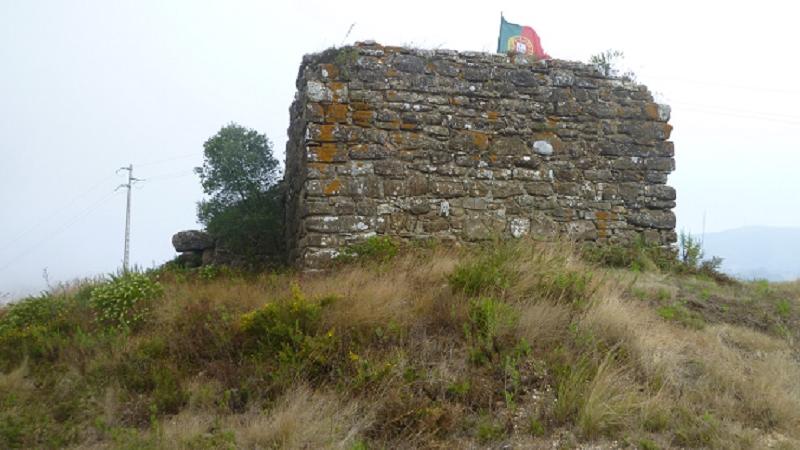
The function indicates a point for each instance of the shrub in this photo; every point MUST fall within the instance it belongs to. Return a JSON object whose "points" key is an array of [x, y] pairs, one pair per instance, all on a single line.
{"points": [[31, 328], [285, 332], [123, 302], [783, 308], [487, 320], [281, 327], [486, 273], [32, 311]]}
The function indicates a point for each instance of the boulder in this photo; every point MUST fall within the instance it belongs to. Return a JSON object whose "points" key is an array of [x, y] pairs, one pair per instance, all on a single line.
{"points": [[192, 241]]}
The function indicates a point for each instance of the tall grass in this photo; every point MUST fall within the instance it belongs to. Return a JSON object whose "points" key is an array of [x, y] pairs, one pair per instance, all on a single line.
{"points": [[523, 343]]}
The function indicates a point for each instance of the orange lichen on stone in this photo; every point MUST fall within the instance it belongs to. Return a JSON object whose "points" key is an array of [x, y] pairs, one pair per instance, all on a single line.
{"points": [[326, 152], [333, 187], [331, 70], [602, 222], [492, 116], [667, 130], [481, 140], [316, 110], [390, 72], [336, 113], [363, 118], [319, 167], [454, 101], [493, 158], [360, 106], [651, 111], [326, 133], [337, 88], [552, 122], [391, 96]]}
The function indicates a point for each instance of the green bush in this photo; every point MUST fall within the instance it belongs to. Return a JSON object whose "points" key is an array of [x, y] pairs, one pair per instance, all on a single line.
{"points": [[124, 301], [783, 308], [285, 334], [32, 311], [282, 326], [31, 328]]}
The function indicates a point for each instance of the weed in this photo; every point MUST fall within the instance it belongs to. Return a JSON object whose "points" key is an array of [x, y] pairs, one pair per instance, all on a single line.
{"points": [[483, 274], [458, 389], [488, 319], [488, 430], [123, 302], [679, 313], [379, 249], [648, 444], [783, 308], [535, 427]]}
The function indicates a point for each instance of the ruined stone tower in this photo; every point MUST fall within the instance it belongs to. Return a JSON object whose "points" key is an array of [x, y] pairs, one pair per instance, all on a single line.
{"points": [[465, 146]]}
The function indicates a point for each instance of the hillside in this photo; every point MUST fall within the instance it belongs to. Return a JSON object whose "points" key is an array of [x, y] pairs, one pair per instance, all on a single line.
{"points": [[523, 345], [757, 252]]}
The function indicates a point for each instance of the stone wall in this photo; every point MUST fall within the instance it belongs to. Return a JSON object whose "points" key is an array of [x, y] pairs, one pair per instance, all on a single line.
{"points": [[466, 146]]}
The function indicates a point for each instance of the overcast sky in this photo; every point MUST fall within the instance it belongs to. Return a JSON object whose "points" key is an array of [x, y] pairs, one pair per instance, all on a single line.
{"points": [[89, 86]]}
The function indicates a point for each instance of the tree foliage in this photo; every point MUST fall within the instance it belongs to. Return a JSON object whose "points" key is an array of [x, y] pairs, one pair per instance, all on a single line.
{"points": [[244, 210]]}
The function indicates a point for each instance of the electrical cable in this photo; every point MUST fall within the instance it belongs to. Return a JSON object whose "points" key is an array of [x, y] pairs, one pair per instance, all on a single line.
{"points": [[64, 226]]}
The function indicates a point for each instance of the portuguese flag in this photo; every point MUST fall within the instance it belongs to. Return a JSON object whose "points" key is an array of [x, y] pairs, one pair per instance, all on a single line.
{"points": [[519, 39]]}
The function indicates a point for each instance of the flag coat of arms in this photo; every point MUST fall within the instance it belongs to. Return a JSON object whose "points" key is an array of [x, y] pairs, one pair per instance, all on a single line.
{"points": [[519, 39]]}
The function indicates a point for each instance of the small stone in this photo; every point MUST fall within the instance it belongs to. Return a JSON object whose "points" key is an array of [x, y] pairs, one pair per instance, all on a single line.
{"points": [[519, 226], [317, 92], [543, 148]]}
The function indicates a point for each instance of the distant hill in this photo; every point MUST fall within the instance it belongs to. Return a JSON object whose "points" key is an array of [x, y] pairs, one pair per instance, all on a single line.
{"points": [[757, 252]]}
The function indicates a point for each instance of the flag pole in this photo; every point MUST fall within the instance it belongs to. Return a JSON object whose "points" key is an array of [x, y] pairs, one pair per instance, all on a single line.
{"points": [[501, 32]]}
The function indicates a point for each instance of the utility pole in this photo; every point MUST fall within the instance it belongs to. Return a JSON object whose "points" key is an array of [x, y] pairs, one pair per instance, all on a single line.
{"points": [[128, 186]]}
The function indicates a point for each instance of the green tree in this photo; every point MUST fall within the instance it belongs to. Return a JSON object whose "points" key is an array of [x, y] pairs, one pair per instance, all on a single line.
{"points": [[244, 210]]}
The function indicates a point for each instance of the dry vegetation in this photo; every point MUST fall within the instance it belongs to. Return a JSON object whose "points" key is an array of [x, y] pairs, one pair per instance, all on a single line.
{"points": [[524, 344]]}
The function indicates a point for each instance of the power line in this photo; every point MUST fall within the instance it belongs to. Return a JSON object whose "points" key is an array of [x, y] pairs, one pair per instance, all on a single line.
{"points": [[741, 111], [64, 226], [48, 218], [174, 158], [741, 116], [169, 176], [716, 84]]}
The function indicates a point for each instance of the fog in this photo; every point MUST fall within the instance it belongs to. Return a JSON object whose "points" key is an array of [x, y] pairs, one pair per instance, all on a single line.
{"points": [[87, 87]]}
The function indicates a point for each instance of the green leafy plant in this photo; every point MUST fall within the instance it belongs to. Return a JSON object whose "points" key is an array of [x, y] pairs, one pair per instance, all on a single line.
{"points": [[245, 208], [280, 327], [123, 302]]}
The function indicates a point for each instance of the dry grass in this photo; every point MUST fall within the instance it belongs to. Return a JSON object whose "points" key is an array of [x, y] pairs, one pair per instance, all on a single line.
{"points": [[304, 418], [379, 297], [741, 377], [544, 324], [16, 380]]}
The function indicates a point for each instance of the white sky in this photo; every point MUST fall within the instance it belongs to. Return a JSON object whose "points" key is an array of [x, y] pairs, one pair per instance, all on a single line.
{"points": [[89, 86]]}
